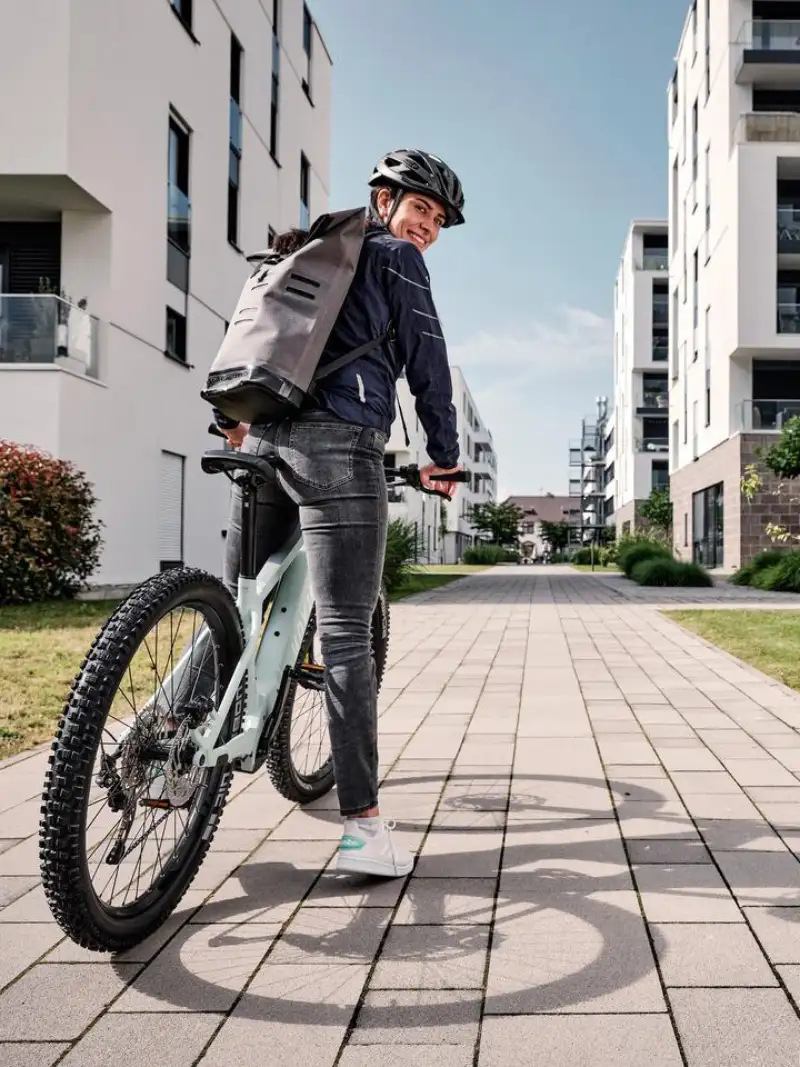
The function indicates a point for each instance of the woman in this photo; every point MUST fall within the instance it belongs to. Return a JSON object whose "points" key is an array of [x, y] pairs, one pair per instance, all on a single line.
{"points": [[331, 476]]}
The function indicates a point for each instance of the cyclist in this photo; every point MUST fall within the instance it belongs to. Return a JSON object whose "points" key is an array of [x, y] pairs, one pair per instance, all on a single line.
{"points": [[331, 477]]}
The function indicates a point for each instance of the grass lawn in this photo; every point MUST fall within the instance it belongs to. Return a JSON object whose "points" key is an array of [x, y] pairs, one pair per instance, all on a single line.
{"points": [[433, 576], [41, 649], [768, 640]]}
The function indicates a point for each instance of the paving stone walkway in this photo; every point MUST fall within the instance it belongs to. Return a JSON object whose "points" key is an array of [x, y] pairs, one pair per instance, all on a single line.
{"points": [[606, 812]]}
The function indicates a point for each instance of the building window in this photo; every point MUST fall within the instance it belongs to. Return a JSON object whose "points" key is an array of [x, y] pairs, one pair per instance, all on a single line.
{"points": [[235, 141], [307, 37], [695, 299], [708, 396], [178, 205], [176, 335], [707, 526], [305, 193], [685, 529], [660, 474], [276, 81], [708, 186], [183, 9], [171, 510], [694, 150], [694, 31]]}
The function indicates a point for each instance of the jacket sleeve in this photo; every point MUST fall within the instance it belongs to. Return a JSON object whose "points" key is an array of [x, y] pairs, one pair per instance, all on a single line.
{"points": [[421, 349]]}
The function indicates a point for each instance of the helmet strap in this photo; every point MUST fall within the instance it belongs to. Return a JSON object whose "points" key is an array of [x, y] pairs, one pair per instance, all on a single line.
{"points": [[395, 205]]}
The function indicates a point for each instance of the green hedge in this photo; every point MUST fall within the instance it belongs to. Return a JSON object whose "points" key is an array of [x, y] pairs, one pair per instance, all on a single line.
{"points": [[770, 558], [660, 570], [401, 552], [489, 555], [634, 552], [782, 576]]}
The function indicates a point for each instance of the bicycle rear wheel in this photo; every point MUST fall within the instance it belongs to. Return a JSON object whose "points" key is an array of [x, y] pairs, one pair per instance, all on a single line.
{"points": [[299, 761], [120, 775]]}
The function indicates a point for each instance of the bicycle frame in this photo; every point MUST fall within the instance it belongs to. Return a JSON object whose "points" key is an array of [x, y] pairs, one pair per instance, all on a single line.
{"points": [[266, 657]]}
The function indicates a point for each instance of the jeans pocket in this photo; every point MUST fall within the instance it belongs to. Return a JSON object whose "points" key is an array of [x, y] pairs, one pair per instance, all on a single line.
{"points": [[320, 454]]}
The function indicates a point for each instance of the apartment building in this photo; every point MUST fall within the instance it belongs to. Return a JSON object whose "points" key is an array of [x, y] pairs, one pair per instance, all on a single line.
{"points": [[592, 475], [641, 370], [444, 529], [734, 277], [159, 142], [540, 509]]}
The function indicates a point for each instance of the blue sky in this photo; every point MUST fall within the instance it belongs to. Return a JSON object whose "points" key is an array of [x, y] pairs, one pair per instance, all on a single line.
{"points": [[554, 117]]}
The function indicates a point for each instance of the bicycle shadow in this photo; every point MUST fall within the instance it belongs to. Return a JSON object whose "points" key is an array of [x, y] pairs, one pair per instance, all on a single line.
{"points": [[567, 931]]}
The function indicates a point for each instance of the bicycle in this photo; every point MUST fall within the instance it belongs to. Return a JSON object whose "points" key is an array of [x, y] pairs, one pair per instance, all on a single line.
{"points": [[175, 760]]}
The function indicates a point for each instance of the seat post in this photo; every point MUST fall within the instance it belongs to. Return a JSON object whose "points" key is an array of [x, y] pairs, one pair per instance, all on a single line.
{"points": [[247, 548]]}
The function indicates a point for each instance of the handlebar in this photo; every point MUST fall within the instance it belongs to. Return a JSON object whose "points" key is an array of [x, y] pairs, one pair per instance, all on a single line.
{"points": [[408, 475]]}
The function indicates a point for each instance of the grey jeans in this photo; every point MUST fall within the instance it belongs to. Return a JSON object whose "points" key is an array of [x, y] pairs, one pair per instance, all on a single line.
{"points": [[330, 479]]}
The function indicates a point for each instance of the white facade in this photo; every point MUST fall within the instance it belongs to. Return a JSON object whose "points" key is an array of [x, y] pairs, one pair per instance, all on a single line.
{"points": [[641, 377], [131, 131], [734, 217], [443, 540]]}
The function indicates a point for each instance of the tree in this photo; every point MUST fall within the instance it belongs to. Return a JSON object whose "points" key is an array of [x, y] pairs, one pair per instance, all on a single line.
{"points": [[500, 521], [657, 512], [555, 535]]}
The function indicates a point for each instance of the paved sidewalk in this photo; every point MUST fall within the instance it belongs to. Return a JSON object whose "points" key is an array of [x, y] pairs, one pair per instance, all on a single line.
{"points": [[606, 814]]}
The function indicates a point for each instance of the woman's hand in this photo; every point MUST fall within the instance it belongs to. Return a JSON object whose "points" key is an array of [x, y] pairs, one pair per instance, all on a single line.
{"points": [[237, 435], [448, 488]]}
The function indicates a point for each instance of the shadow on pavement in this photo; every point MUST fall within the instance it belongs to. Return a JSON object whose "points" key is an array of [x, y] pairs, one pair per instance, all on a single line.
{"points": [[568, 932]]}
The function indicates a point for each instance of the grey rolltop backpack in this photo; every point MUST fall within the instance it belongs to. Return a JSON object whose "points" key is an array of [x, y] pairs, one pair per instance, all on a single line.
{"points": [[268, 363]]}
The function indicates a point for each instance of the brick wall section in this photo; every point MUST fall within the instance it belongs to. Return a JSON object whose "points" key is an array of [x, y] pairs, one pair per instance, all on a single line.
{"points": [[765, 507]]}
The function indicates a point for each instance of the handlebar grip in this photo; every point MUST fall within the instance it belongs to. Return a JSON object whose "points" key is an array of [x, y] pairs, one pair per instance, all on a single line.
{"points": [[216, 432], [457, 476]]}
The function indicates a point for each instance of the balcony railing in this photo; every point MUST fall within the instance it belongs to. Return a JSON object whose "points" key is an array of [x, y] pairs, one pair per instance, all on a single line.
{"points": [[767, 415], [771, 35], [655, 260], [46, 329], [652, 444], [788, 318], [660, 349], [789, 229]]}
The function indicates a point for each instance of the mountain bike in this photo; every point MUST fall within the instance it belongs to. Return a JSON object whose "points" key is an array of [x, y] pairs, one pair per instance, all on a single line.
{"points": [[228, 689]]}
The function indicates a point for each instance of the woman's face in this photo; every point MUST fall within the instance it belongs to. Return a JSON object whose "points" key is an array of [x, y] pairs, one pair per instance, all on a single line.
{"points": [[418, 219]]}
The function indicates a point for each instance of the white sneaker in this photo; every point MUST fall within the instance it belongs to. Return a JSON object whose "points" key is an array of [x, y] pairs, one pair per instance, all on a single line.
{"points": [[367, 847]]}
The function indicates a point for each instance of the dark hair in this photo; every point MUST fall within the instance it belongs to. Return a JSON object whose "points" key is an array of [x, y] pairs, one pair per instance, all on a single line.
{"points": [[286, 243]]}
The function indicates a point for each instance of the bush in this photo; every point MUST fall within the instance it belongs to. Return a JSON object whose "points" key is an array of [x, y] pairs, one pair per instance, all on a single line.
{"points": [[401, 553], [49, 541], [601, 554], [780, 577], [661, 570], [636, 551], [768, 558], [488, 555]]}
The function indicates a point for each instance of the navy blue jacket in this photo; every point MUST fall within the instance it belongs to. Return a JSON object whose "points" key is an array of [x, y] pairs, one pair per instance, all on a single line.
{"points": [[391, 285]]}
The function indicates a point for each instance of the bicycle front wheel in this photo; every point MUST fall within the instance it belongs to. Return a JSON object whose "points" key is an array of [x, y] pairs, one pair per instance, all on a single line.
{"points": [[299, 761], [126, 817]]}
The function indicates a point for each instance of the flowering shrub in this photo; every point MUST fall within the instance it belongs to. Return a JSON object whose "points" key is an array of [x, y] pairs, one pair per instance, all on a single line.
{"points": [[49, 541]]}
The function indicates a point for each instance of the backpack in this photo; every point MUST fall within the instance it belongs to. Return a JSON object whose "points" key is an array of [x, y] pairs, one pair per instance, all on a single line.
{"points": [[268, 364]]}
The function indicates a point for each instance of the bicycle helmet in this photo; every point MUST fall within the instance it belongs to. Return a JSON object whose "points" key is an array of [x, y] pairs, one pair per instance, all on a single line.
{"points": [[415, 171]]}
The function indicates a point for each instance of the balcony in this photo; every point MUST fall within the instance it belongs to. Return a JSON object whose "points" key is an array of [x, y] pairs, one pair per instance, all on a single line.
{"points": [[652, 444], [766, 416], [788, 230], [655, 259], [660, 349], [767, 126], [788, 318], [770, 52], [41, 329], [654, 402]]}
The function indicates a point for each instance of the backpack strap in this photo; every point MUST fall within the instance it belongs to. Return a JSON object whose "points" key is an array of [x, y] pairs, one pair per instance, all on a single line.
{"points": [[356, 353]]}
